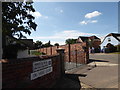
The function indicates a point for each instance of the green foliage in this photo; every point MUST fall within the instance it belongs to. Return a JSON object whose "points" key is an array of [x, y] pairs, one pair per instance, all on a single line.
{"points": [[37, 53], [47, 44], [70, 41], [56, 44], [117, 48], [17, 19], [38, 44], [110, 48]]}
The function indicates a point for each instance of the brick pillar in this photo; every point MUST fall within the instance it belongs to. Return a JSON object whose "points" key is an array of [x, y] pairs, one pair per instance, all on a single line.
{"points": [[60, 51]]}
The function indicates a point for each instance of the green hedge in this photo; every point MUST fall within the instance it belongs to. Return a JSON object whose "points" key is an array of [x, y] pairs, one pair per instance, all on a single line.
{"points": [[34, 52]]}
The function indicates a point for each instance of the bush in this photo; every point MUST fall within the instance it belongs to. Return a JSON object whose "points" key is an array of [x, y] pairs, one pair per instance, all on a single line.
{"points": [[110, 48], [117, 48], [37, 53], [97, 50]]}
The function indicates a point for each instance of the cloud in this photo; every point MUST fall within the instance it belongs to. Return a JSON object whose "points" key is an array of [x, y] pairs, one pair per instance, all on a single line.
{"points": [[94, 21], [88, 21], [93, 14], [60, 37], [60, 42], [38, 15], [83, 22], [46, 17]]}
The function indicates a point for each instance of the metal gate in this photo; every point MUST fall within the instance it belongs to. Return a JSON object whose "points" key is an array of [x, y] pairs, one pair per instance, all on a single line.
{"points": [[72, 59]]}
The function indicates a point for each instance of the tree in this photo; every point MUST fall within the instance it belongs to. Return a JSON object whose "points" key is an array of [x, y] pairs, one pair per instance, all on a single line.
{"points": [[56, 44], [38, 44], [16, 18], [70, 41], [47, 44]]}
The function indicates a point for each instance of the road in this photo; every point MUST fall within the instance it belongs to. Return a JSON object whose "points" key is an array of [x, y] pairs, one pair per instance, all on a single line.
{"points": [[104, 75], [111, 58]]}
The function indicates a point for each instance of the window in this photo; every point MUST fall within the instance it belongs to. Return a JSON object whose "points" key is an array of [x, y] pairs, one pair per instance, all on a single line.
{"points": [[109, 39]]}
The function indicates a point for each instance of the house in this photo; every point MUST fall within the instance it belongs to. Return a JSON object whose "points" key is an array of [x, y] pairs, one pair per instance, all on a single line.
{"points": [[94, 42], [110, 39], [82, 39], [23, 42], [17, 48], [28, 43]]}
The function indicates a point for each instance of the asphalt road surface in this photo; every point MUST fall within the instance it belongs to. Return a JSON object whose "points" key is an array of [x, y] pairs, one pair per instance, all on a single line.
{"points": [[104, 75], [111, 58]]}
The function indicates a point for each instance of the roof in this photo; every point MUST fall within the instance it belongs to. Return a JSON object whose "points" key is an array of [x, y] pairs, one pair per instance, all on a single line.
{"points": [[24, 42], [94, 37], [83, 38], [115, 35]]}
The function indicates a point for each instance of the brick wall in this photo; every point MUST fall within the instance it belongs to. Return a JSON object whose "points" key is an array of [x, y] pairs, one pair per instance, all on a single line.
{"points": [[74, 52], [16, 73]]}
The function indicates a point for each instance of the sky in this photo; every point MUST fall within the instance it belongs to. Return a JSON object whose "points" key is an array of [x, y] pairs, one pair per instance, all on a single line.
{"points": [[58, 21]]}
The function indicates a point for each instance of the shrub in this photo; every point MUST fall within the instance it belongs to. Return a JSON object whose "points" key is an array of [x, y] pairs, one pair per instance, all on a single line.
{"points": [[110, 48], [37, 53], [117, 48]]}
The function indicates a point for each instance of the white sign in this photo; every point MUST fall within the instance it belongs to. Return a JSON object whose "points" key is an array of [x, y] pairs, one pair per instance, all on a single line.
{"points": [[40, 73], [41, 68], [41, 64]]}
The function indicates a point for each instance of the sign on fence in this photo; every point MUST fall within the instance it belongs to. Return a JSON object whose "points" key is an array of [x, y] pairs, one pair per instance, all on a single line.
{"points": [[41, 64], [41, 68], [40, 73]]}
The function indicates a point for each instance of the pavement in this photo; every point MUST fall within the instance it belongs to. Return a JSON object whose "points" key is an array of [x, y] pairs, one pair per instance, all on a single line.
{"points": [[101, 72]]}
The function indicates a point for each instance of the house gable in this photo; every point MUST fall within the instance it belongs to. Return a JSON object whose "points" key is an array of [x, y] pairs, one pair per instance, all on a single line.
{"points": [[109, 39], [79, 40]]}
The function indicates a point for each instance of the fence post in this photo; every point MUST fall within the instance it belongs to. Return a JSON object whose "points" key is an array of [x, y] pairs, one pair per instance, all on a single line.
{"points": [[76, 57], [46, 50], [69, 52], [51, 50], [60, 51]]}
